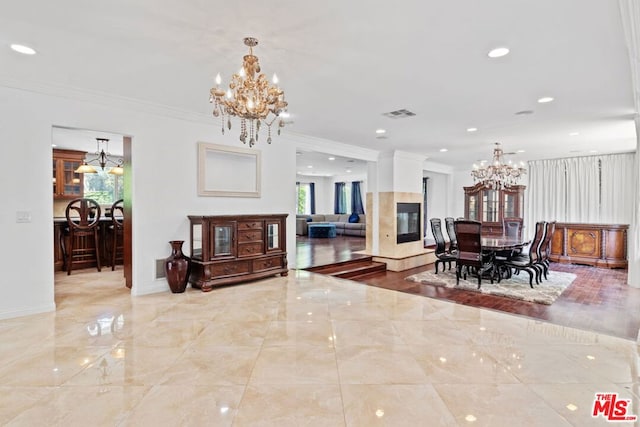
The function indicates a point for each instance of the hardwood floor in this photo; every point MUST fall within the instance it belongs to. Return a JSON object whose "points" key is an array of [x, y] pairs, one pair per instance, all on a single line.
{"points": [[598, 300]]}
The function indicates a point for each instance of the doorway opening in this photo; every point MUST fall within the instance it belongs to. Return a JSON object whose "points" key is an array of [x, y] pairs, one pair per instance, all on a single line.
{"points": [[107, 181]]}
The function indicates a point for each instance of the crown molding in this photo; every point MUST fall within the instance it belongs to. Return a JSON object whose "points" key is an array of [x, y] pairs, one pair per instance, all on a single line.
{"points": [[105, 99]]}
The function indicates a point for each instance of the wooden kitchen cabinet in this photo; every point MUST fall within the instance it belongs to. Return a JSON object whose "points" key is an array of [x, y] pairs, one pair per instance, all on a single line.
{"points": [[228, 249], [491, 207], [67, 184]]}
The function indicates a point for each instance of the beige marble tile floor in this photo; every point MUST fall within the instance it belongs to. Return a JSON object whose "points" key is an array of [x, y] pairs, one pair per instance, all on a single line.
{"points": [[304, 350]]}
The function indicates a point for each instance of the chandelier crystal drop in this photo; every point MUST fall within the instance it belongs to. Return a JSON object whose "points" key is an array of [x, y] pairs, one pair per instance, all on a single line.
{"points": [[251, 98], [498, 175]]}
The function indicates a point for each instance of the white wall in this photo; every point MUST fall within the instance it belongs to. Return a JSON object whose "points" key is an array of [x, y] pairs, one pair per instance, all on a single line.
{"points": [[460, 179], [438, 196], [164, 159]]}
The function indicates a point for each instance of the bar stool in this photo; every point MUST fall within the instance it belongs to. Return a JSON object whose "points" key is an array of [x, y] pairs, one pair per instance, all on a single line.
{"points": [[117, 231], [83, 217]]}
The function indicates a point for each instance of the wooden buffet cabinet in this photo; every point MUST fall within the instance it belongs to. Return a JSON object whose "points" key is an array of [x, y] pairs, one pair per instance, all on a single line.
{"points": [[600, 245], [491, 207], [228, 249]]}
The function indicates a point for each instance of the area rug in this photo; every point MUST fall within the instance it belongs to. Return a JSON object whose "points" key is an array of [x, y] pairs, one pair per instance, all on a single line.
{"points": [[516, 287]]}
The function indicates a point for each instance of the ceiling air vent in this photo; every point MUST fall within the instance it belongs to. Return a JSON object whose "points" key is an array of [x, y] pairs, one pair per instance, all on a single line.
{"points": [[399, 114], [524, 112]]}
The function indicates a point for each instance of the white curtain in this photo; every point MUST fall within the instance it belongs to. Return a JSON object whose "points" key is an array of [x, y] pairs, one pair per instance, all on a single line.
{"points": [[595, 189], [583, 189], [546, 193], [617, 187]]}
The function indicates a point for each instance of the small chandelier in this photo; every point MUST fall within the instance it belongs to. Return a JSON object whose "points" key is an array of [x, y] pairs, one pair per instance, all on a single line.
{"points": [[102, 159], [251, 98], [498, 175]]}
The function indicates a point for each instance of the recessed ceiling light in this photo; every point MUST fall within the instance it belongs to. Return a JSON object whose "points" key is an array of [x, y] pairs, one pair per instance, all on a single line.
{"points": [[574, 134], [53, 145], [520, 151], [380, 131], [310, 166], [348, 170], [284, 115], [332, 158], [23, 49], [472, 129], [593, 151], [545, 99], [443, 150], [498, 52]]}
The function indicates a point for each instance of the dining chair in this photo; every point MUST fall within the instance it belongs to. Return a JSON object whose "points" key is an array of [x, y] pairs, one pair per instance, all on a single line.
{"points": [[83, 217], [453, 240], [443, 256], [512, 227], [470, 253], [529, 262], [545, 248], [117, 231]]}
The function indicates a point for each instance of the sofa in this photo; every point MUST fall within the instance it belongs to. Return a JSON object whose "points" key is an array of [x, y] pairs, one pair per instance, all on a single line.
{"points": [[341, 221]]}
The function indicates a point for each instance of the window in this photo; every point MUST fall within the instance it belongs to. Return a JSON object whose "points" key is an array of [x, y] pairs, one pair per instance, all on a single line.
{"points": [[103, 187], [303, 190]]}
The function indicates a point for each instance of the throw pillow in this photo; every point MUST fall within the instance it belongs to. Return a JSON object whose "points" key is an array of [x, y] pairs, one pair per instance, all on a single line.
{"points": [[354, 218]]}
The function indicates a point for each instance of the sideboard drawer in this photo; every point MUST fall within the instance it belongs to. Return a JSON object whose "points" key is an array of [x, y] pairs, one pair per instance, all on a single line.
{"points": [[263, 264], [250, 249], [249, 225], [249, 236], [230, 268]]}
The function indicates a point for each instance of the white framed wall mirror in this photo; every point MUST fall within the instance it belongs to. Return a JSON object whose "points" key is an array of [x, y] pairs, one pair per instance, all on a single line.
{"points": [[225, 171]]}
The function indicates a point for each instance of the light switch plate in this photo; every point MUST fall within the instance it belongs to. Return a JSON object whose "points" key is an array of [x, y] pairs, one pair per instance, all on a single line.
{"points": [[23, 216]]}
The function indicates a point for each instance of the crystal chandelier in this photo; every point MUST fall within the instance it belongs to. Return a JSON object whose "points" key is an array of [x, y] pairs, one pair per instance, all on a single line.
{"points": [[251, 98], [498, 175], [103, 160]]}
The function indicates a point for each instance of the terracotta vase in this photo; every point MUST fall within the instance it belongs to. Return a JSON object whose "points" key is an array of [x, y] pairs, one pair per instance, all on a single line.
{"points": [[177, 267]]}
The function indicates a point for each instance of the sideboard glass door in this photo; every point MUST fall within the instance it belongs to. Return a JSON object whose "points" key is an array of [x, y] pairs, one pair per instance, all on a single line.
{"points": [[223, 241]]}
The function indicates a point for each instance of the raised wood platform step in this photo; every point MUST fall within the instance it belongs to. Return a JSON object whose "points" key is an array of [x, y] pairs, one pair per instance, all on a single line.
{"points": [[351, 269]]}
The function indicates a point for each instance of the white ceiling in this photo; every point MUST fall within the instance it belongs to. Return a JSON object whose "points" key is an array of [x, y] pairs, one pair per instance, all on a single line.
{"points": [[85, 140], [343, 64], [326, 165]]}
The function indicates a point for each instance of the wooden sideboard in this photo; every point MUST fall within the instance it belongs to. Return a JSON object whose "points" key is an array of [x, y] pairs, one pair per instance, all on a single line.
{"points": [[600, 245], [228, 249]]}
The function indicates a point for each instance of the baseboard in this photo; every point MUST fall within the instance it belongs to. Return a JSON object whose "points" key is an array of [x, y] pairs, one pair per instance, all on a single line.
{"points": [[27, 311]]}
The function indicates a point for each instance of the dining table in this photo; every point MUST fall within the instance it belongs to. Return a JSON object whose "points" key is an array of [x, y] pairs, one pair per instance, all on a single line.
{"points": [[496, 245]]}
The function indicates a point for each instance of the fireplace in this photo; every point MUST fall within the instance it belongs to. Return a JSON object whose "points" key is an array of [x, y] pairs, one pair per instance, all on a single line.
{"points": [[408, 220]]}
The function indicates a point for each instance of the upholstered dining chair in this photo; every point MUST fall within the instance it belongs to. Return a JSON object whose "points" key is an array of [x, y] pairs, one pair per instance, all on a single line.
{"points": [[530, 262], [470, 254], [453, 240], [117, 230], [443, 256], [83, 217], [512, 227]]}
